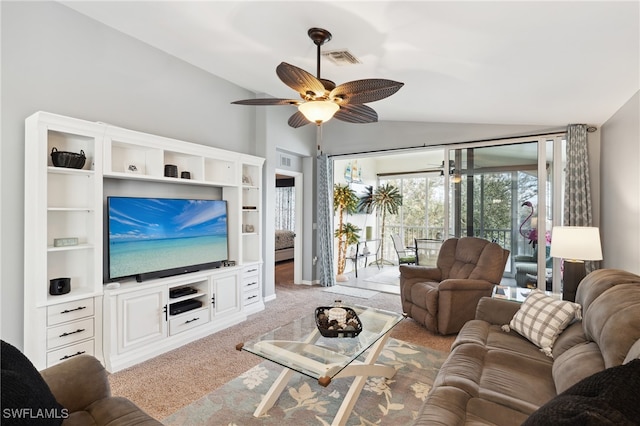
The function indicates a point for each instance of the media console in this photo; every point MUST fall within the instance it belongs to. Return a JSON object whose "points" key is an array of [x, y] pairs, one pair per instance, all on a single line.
{"points": [[127, 322]]}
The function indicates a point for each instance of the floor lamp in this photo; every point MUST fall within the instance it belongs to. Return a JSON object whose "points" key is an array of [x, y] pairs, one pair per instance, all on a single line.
{"points": [[575, 244]]}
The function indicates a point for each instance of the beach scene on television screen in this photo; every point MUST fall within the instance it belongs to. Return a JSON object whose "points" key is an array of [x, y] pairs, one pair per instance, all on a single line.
{"points": [[149, 235]]}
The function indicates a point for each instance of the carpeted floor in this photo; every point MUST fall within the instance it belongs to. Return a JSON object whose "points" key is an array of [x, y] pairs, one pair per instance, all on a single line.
{"points": [[173, 380], [303, 402]]}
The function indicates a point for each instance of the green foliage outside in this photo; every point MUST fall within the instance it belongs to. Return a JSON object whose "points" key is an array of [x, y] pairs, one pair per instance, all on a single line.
{"points": [[345, 202]]}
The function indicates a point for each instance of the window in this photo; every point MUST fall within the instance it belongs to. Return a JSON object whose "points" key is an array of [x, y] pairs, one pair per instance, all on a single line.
{"points": [[286, 208], [422, 212]]}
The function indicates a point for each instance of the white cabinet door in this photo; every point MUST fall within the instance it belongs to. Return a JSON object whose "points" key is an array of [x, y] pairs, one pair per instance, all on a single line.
{"points": [[141, 318], [226, 294]]}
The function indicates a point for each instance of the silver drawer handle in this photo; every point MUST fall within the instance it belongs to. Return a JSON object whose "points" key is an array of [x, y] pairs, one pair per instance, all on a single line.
{"points": [[79, 308], [80, 330], [251, 297], [71, 356], [253, 283], [191, 320], [251, 270]]}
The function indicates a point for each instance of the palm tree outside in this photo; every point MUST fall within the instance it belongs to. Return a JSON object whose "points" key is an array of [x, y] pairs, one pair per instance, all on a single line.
{"points": [[385, 199], [345, 202]]}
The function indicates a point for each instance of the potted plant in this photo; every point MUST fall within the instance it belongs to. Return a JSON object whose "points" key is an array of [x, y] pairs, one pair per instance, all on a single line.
{"points": [[384, 199], [345, 202]]}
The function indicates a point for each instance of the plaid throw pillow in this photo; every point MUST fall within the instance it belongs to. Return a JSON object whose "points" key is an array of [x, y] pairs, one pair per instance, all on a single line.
{"points": [[542, 318]]}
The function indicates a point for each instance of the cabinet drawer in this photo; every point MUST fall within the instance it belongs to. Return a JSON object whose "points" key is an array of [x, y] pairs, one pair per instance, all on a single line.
{"points": [[57, 314], [250, 283], [188, 320], [69, 333], [250, 271], [250, 297], [57, 356]]}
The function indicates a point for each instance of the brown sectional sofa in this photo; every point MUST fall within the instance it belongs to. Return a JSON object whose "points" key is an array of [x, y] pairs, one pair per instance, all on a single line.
{"points": [[501, 378], [75, 392]]}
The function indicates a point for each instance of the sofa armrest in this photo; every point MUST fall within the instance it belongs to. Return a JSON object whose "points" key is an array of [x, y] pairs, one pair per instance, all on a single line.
{"points": [[454, 284], [77, 382], [496, 311], [422, 272]]}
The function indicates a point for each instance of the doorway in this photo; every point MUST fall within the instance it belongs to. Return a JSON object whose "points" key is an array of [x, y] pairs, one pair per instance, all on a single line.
{"points": [[288, 225]]}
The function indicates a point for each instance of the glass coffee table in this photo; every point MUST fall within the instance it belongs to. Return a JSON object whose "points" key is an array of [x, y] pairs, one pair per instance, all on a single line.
{"points": [[517, 294], [299, 347]]}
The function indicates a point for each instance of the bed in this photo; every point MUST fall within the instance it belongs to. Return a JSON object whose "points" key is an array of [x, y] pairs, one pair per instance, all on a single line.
{"points": [[284, 245]]}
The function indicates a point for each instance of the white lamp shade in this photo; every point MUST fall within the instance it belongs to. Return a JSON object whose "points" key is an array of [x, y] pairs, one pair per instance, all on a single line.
{"points": [[318, 111], [576, 243]]}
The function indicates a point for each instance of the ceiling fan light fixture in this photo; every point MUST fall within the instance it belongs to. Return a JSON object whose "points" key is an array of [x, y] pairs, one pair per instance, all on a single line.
{"points": [[318, 111], [321, 98]]}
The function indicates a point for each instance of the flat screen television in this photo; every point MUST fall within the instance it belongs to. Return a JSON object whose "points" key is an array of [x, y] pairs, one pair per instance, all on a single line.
{"points": [[159, 237]]}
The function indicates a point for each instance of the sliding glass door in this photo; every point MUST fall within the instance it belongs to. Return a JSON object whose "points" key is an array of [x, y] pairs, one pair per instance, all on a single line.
{"points": [[506, 193]]}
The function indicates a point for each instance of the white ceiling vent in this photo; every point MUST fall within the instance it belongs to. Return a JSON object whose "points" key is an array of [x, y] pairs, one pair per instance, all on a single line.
{"points": [[341, 57]]}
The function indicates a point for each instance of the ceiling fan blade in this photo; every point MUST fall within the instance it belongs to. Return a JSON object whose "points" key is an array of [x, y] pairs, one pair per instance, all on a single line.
{"points": [[298, 120], [363, 91], [267, 101], [300, 80], [356, 114]]}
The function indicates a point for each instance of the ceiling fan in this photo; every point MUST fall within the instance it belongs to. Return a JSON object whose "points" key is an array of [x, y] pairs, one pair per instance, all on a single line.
{"points": [[322, 99]]}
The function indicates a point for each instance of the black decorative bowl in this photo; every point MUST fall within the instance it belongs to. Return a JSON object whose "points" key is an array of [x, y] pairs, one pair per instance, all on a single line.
{"points": [[351, 328], [71, 160]]}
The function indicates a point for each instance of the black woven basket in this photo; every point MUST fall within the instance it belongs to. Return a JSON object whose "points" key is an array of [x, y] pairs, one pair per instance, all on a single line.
{"points": [[70, 160], [333, 330]]}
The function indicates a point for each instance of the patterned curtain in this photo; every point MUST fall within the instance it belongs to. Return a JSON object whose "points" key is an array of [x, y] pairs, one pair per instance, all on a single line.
{"points": [[325, 221], [577, 189]]}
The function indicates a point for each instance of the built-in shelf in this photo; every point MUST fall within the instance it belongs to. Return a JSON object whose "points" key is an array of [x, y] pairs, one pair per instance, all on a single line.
{"points": [[69, 203]]}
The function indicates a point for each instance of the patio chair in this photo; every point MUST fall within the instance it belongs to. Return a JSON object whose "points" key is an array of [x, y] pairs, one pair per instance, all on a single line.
{"points": [[444, 297], [406, 255]]}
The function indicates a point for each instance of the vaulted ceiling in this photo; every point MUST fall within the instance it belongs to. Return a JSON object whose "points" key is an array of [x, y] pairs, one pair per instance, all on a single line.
{"points": [[538, 63]]}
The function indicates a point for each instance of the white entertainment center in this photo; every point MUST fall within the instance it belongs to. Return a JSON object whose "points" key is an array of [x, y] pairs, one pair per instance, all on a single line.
{"points": [[127, 322]]}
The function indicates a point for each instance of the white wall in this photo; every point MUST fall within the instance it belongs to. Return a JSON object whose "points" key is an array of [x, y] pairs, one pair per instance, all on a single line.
{"points": [[56, 60], [299, 142], [620, 188]]}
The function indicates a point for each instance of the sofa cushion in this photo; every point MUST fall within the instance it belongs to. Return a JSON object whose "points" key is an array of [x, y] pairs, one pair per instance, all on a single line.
{"points": [[575, 364], [25, 391], [606, 398], [542, 318], [613, 321], [571, 336]]}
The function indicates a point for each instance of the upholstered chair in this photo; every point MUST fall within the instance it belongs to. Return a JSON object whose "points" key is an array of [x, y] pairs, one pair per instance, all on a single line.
{"points": [[444, 297]]}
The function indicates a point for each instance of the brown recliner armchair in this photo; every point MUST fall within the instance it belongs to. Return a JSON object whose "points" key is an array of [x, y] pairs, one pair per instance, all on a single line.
{"points": [[445, 297]]}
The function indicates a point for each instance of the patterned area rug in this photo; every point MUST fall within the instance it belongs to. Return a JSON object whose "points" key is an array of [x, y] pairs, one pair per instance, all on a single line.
{"points": [[395, 401]]}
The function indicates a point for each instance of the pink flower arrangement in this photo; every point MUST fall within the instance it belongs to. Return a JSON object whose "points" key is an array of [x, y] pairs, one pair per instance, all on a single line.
{"points": [[533, 237]]}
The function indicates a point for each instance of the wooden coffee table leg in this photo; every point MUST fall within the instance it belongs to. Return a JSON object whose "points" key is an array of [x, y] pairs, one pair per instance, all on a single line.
{"points": [[274, 392]]}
